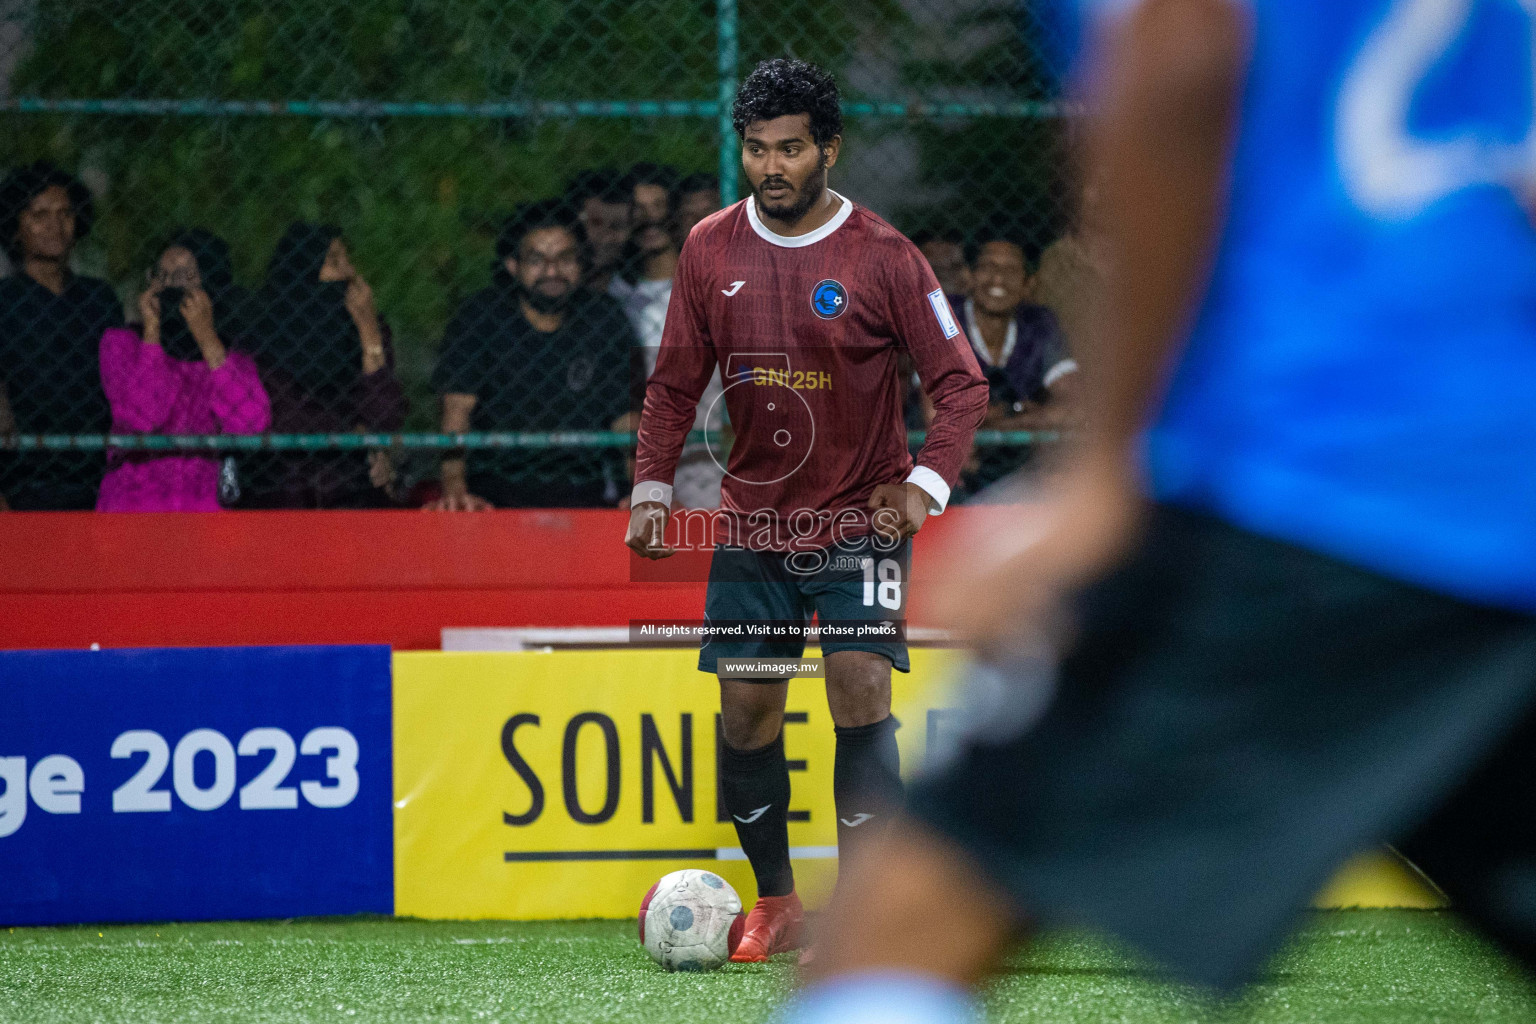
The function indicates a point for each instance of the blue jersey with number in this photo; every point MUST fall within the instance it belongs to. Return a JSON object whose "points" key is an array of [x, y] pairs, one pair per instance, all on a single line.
{"points": [[1361, 378]]}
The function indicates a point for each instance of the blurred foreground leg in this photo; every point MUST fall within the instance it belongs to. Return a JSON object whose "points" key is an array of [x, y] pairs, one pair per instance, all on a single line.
{"points": [[911, 928]]}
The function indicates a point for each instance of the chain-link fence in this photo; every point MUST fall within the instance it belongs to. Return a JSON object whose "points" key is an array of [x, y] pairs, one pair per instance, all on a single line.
{"points": [[266, 267]]}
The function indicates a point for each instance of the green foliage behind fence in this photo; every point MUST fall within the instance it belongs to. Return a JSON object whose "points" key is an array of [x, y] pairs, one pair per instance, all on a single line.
{"points": [[417, 125]]}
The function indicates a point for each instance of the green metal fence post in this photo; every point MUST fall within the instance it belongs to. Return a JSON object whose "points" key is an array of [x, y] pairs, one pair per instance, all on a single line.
{"points": [[726, 53]]}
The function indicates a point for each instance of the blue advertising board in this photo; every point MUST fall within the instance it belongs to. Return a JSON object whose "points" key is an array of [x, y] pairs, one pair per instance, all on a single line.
{"points": [[194, 784]]}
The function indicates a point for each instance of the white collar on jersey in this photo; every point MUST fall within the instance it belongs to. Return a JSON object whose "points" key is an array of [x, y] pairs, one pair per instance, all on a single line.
{"points": [[796, 241]]}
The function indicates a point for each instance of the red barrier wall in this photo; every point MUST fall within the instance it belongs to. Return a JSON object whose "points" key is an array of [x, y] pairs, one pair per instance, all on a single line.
{"points": [[142, 580]]}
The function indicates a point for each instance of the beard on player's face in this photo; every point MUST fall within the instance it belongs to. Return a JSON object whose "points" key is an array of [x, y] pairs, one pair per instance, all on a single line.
{"points": [[797, 200]]}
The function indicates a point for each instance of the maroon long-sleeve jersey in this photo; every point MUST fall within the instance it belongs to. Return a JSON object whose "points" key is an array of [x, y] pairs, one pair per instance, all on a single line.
{"points": [[808, 334]]}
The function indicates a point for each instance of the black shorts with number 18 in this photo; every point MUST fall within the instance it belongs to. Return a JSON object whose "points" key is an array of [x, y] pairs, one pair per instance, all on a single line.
{"points": [[852, 588]]}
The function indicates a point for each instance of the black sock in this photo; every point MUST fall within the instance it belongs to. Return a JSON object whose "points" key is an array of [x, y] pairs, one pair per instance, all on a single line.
{"points": [[756, 788], [866, 781]]}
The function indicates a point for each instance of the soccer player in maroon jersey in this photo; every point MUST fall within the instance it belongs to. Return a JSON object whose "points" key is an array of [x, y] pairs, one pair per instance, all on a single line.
{"points": [[805, 303]]}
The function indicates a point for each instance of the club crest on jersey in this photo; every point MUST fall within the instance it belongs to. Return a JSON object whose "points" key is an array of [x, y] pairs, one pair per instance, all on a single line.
{"points": [[829, 299]]}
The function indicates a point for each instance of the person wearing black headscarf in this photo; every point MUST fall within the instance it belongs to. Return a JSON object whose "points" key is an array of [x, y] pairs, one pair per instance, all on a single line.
{"points": [[178, 372], [172, 279], [327, 361], [51, 321]]}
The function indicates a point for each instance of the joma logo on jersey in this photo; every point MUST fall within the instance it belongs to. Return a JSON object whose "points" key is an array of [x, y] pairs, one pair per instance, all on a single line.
{"points": [[829, 299]]}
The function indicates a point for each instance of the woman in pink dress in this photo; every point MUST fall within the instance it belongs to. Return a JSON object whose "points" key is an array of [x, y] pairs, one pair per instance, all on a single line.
{"points": [[177, 374]]}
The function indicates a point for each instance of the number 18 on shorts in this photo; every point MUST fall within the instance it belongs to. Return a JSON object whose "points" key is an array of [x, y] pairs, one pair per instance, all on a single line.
{"points": [[759, 602]]}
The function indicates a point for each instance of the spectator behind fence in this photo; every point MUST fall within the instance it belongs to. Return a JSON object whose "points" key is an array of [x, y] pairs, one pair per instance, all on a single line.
{"points": [[1072, 269], [1018, 344], [602, 206], [7, 428], [535, 351], [699, 473], [179, 372], [696, 197], [328, 362], [650, 259], [51, 323], [945, 253], [1021, 351]]}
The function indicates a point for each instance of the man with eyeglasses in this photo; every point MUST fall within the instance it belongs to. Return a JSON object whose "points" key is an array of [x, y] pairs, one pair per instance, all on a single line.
{"points": [[535, 351]]}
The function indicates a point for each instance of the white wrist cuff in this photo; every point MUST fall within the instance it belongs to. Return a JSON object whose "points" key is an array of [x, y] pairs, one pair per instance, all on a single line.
{"points": [[651, 490], [934, 485]]}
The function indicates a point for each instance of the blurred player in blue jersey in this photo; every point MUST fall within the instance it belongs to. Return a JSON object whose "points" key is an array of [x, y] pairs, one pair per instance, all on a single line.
{"points": [[1289, 587]]}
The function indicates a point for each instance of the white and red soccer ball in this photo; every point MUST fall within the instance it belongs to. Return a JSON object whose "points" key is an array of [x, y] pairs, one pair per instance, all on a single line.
{"points": [[691, 920]]}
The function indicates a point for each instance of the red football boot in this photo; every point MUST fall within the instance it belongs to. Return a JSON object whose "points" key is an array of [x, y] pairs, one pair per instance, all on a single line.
{"points": [[773, 927]]}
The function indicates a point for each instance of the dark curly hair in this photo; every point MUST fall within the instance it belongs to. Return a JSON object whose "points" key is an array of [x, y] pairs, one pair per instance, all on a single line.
{"points": [[650, 174], [25, 184], [699, 181], [531, 217], [604, 184], [1004, 229], [780, 86]]}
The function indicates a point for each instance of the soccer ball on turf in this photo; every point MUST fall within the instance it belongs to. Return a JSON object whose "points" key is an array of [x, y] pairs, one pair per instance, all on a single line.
{"points": [[691, 920]]}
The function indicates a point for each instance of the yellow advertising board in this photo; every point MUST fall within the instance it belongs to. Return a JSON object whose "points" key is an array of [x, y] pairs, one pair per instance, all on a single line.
{"points": [[541, 785]]}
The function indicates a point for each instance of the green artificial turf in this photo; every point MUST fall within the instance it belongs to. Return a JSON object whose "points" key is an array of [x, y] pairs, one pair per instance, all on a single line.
{"points": [[1346, 966]]}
